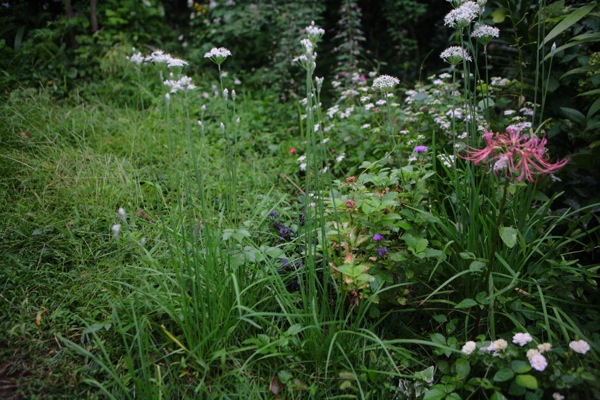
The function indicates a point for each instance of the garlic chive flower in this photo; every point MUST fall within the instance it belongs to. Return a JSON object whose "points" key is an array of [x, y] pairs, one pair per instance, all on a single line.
{"points": [[463, 15], [218, 55], [176, 62], [484, 34], [385, 83], [136, 58], [455, 54], [313, 32], [184, 84]]}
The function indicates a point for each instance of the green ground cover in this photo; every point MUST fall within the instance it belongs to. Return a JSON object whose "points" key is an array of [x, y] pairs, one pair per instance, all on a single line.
{"points": [[362, 239]]}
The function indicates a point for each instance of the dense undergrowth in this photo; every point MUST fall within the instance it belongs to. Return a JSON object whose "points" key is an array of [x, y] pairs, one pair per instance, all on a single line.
{"points": [[174, 237]]}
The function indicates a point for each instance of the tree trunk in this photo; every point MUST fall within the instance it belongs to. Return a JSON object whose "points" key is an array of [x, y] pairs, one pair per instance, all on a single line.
{"points": [[94, 15], [70, 15]]}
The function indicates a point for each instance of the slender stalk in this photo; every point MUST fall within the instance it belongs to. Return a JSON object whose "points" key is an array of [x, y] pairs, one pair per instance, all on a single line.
{"points": [[496, 236]]}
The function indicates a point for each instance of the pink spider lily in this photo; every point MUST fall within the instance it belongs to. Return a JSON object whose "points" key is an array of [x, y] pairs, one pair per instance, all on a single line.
{"points": [[515, 153]]}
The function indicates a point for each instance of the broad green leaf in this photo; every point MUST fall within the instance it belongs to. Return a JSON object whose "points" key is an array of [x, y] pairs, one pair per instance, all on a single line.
{"points": [[520, 366], [503, 375], [477, 266], [437, 392], [498, 396], [594, 108], [275, 252], [466, 303], [527, 381], [508, 236], [574, 115], [569, 21], [580, 70], [516, 390], [463, 368], [498, 15], [426, 375], [417, 245]]}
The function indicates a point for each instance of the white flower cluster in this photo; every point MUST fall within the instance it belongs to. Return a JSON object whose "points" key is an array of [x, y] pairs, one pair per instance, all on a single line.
{"points": [[455, 54], [313, 32], [522, 338], [485, 33], [160, 57], [579, 346], [136, 58], [537, 360], [307, 60], [535, 356], [385, 83], [217, 55], [463, 15], [183, 84]]}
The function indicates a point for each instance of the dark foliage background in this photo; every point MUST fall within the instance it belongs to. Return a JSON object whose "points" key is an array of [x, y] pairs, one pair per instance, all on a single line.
{"points": [[67, 44]]}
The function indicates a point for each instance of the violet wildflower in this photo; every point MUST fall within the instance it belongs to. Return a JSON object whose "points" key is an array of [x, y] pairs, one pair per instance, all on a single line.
{"points": [[378, 237], [274, 214], [382, 251], [420, 149]]}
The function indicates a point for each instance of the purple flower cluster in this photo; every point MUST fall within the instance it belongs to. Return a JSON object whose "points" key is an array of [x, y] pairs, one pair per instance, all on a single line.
{"points": [[285, 233]]}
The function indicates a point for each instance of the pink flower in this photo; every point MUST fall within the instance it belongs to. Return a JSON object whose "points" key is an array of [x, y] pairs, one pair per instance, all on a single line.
{"points": [[515, 153]]}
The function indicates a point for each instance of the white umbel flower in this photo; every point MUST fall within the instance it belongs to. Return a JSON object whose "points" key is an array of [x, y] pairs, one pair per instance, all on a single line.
{"points": [[463, 15], [217, 55], [484, 33], [385, 83], [455, 54]]}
